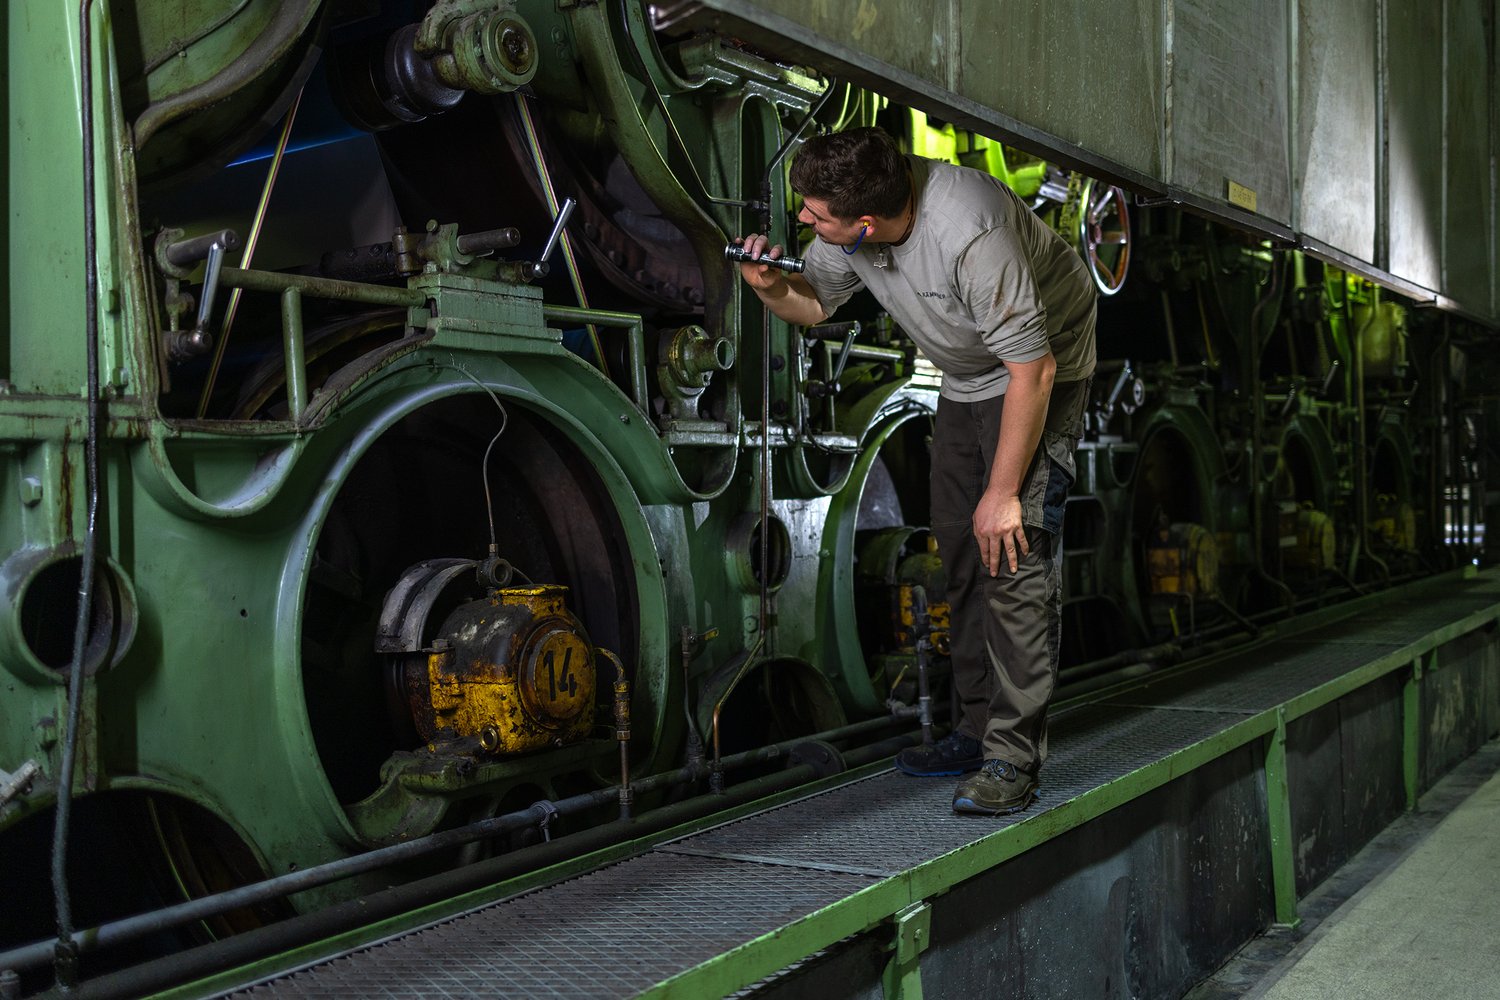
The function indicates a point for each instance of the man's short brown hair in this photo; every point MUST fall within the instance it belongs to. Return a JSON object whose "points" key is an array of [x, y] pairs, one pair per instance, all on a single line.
{"points": [[857, 172]]}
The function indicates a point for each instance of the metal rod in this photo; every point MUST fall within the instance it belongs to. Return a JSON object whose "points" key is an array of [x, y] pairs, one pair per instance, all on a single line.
{"points": [[544, 176], [635, 331], [322, 288], [296, 362], [622, 730], [489, 241], [786, 145], [187, 253], [251, 240], [922, 625]]}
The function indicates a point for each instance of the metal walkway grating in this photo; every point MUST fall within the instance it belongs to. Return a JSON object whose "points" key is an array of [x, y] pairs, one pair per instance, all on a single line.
{"points": [[625, 928], [891, 822], [606, 934]]}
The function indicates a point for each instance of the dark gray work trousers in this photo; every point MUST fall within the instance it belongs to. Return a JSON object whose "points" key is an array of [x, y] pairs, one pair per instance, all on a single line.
{"points": [[1006, 630]]}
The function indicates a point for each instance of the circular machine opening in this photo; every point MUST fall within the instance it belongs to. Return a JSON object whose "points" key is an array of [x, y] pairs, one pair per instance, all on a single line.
{"points": [[49, 615], [1093, 624], [1300, 478], [1301, 521], [779, 699], [1392, 513], [890, 526], [746, 541], [418, 494], [129, 852], [1167, 491]]}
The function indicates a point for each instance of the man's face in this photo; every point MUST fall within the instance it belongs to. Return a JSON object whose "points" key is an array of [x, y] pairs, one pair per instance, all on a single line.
{"points": [[831, 229]]}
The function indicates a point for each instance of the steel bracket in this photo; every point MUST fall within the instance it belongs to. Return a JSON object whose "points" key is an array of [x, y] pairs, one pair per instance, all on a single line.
{"points": [[903, 973]]}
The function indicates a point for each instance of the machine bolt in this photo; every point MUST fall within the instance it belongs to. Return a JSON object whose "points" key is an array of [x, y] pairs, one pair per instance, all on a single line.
{"points": [[489, 738], [31, 491], [624, 418]]}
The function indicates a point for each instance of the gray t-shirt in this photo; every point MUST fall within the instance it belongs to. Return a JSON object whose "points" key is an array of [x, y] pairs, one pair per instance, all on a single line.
{"points": [[978, 282]]}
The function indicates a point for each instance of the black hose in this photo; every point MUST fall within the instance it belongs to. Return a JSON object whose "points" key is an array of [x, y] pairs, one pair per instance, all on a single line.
{"points": [[66, 952]]}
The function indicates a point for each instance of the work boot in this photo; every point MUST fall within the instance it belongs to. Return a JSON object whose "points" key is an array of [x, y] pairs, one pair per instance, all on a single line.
{"points": [[997, 789], [953, 754]]}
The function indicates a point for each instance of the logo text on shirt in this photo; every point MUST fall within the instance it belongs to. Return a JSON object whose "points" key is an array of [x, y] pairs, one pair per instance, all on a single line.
{"points": [[932, 295]]}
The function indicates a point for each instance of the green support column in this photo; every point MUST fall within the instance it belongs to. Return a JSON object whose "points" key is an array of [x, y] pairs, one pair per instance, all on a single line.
{"points": [[1411, 730], [1279, 815], [903, 973]]}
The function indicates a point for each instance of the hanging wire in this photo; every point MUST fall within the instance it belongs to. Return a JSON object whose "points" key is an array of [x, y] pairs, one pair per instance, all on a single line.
{"points": [[484, 469], [66, 950], [256, 223], [534, 144]]}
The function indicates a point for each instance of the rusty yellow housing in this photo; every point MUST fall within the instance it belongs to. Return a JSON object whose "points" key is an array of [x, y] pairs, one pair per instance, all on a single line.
{"points": [[937, 617], [1183, 559], [515, 672]]}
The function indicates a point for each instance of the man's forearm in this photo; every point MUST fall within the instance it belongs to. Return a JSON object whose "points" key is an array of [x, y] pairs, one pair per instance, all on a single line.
{"points": [[793, 300], [1021, 423]]}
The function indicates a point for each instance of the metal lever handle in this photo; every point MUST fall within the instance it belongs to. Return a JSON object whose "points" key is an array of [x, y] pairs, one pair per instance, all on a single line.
{"points": [[210, 284], [1327, 386], [843, 358], [1121, 381], [540, 268]]}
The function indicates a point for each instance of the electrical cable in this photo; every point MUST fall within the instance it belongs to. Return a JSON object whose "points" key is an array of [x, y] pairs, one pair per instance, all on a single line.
{"points": [[66, 951], [484, 469]]}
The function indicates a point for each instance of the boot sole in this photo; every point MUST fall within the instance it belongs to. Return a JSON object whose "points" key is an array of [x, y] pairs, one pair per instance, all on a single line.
{"points": [[969, 807], [949, 773]]}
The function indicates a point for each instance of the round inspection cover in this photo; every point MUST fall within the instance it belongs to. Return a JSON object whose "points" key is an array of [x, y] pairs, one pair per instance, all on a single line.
{"points": [[557, 675]]}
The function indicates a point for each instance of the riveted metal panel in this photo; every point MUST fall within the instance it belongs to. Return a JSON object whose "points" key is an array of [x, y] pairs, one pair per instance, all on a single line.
{"points": [[1468, 205], [1414, 36], [1092, 73], [1335, 146], [1228, 96]]}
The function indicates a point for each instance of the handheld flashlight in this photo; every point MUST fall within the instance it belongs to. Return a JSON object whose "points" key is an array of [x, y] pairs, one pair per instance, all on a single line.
{"points": [[741, 255]]}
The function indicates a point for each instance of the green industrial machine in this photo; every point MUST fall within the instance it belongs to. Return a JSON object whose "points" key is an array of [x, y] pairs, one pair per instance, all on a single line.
{"points": [[379, 511]]}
